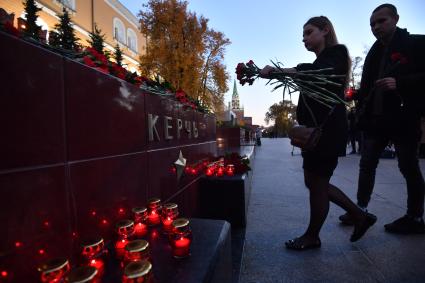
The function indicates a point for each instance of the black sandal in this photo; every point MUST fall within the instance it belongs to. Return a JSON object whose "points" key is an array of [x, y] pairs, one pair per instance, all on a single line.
{"points": [[361, 228], [299, 245]]}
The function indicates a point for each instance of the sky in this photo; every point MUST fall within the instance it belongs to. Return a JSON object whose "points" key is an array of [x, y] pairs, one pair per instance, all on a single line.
{"points": [[272, 30]]}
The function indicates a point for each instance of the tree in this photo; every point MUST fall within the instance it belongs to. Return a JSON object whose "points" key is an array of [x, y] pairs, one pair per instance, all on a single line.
{"points": [[283, 113], [118, 55], [97, 40], [183, 51], [356, 71], [31, 10], [54, 39], [65, 37], [214, 75]]}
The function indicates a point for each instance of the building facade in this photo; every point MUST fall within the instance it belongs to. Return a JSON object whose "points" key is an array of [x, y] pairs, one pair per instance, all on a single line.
{"points": [[118, 24]]}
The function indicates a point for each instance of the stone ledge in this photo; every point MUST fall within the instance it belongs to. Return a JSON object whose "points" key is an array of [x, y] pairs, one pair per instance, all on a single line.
{"points": [[226, 198], [210, 260]]}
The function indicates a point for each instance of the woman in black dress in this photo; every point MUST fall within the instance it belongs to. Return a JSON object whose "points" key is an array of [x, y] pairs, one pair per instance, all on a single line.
{"points": [[319, 163]]}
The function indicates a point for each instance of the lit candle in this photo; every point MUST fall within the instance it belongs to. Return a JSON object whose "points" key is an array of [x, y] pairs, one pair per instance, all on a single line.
{"points": [[154, 209], [98, 264], [140, 219], [210, 170], [119, 247], [181, 248], [166, 222], [92, 248], [140, 229], [137, 272], [220, 171], [125, 228], [137, 250], [153, 218], [230, 170], [140, 214], [181, 238], [54, 270], [169, 214]]}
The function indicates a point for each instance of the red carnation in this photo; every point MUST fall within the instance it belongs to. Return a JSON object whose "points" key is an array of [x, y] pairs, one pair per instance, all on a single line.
{"points": [[88, 61], [398, 57]]}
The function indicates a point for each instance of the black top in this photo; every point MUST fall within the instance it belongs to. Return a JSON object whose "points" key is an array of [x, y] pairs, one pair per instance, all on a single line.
{"points": [[404, 59], [335, 131]]}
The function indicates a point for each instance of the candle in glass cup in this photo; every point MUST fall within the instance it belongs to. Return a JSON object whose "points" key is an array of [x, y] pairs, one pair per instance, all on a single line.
{"points": [[92, 247], [125, 229], [93, 251], [170, 212], [138, 272], [230, 169], [54, 270], [140, 214], [220, 171], [83, 274], [136, 250], [181, 238], [140, 219], [154, 211]]}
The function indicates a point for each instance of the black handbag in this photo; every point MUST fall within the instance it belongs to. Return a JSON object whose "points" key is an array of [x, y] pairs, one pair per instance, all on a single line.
{"points": [[304, 137]]}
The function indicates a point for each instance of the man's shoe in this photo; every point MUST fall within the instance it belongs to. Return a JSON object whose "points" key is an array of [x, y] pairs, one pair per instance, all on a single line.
{"points": [[361, 227], [346, 219], [406, 225]]}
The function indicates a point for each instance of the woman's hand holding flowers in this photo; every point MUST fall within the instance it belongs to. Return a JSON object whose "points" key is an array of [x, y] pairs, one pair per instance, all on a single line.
{"points": [[266, 71], [309, 82]]}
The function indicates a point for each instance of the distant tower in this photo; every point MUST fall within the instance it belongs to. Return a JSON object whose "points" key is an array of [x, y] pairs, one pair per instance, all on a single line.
{"points": [[235, 97], [239, 112]]}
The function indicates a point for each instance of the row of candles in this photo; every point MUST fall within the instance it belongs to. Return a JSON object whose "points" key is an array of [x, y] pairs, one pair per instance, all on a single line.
{"points": [[132, 251], [218, 169]]}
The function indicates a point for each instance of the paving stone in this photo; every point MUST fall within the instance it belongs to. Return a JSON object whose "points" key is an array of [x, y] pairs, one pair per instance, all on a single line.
{"points": [[279, 211]]}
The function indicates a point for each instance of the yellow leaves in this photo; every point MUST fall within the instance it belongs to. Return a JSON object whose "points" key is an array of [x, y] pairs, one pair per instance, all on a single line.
{"points": [[184, 51]]}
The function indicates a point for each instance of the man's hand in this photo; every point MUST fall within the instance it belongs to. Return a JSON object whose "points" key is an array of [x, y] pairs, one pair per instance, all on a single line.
{"points": [[386, 83]]}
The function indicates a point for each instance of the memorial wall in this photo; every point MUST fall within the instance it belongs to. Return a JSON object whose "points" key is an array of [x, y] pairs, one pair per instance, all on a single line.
{"points": [[79, 149]]}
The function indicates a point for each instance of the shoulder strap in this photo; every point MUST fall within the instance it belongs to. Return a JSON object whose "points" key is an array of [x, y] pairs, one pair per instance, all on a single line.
{"points": [[314, 117]]}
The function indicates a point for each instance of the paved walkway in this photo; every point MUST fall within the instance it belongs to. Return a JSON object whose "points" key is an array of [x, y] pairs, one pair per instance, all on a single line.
{"points": [[279, 211]]}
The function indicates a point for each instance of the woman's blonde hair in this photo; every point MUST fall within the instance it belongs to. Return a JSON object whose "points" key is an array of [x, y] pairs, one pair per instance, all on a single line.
{"points": [[321, 23]]}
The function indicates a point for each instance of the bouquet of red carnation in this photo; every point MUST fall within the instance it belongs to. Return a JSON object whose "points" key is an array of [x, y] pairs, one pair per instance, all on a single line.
{"points": [[94, 59], [247, 73]]}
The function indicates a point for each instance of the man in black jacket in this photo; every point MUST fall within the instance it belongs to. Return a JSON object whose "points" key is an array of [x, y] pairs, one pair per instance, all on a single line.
{"points": [[392, 99]]}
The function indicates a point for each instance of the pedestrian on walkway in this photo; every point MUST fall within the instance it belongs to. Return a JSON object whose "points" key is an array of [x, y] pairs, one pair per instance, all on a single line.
{"points": [[352, 131], [392, 99], [319, 164], [258, 135]]}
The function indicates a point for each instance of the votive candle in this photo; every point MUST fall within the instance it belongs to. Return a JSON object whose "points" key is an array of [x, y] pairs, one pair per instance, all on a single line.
{"points": [[170, 213], [154, 211], [54, 270]]}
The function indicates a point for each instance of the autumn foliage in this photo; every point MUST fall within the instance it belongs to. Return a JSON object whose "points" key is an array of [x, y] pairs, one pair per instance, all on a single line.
{"points": [[184, 51]]}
